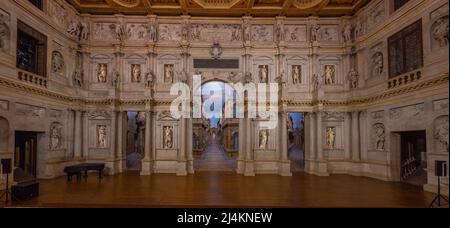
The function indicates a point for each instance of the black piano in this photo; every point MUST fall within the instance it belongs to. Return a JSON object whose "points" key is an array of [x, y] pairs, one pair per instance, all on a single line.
{"points": [[80, 169]]}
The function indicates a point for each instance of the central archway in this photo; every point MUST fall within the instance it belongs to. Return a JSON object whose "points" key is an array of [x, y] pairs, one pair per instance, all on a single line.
{"points": [[215, 137]]}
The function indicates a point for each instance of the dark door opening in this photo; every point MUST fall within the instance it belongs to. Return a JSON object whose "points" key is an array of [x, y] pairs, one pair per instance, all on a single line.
{"points": [[413, 158], [26, 152], [135, 140], [296, 141]]}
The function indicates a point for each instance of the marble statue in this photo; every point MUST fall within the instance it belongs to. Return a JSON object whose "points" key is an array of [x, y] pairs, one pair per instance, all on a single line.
{"points": [[168, 73], [101, 136], [247, 28], [317, 81], [347, 33], [358, 29], [315, 33], [77, 78], [84, 31], [149, 79], [152, 32], [73, 28], [55, 138], [380, 137], [296, 74], [80, 30], [263, 139], [377, 64], [441, 134], [353, 78], [102, 73], [57, 62], [136, 73], [280, 33], [329, 74], [263, 74], [120, 33], [440, 32], [331, 137], [116, 79], [168, 137], [248, 77], [4, 33]]}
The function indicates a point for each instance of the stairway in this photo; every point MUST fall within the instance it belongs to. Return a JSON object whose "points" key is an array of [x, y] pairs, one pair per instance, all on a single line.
{"points": [[214, 159]]}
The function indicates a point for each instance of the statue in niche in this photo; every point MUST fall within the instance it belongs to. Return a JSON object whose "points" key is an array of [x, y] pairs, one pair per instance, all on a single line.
{"points": [[315, 33], [168, 73], [168, 137], [347, 33], [101, 136], [263, 139], [264, 74], [440, 31], [377, 64], [4, 33], [441, 134], [77, 78], [247, 77], [247, 28], [149, 79], [331, 137], [329, 74], [55, 138], [280, 32], [84, 31], [102, 72], [380, 137], [57, 62], [358, 29], [296, 74], [136, 73], [353, 78], [152, 31]]}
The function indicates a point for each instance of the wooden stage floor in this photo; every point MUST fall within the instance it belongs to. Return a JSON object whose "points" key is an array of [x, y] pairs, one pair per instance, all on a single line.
{"points": [[222, 189]]}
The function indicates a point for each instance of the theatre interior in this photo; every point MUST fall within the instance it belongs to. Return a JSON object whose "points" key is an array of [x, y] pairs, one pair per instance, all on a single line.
{"points": [[361, 91]]}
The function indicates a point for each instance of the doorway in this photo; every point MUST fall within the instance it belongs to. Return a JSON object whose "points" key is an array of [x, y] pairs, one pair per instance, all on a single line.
{"points": [[413, 158], [25, 154], [296, 141], [135, 140]]}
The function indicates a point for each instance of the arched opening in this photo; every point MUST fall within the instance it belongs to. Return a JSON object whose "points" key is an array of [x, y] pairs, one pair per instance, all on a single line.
{"points": [[135, 140], [215, 135]]}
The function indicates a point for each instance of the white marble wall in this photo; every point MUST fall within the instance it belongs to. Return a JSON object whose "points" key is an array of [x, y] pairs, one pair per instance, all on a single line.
{"points": [[85, 41]]}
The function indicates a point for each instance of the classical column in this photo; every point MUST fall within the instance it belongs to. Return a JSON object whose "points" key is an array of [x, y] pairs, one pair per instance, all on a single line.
{"points": [[249, 163], [242, 146], [85, 149], [77, 138], [319, 136], [119, 133], [181, 167], [363, 134], [310, 140], [284, 146], [190, 150], [356, 156], [347, 136], [147, 161]]}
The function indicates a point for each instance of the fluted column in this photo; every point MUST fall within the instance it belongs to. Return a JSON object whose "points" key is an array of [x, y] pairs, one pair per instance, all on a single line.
{"points": [[249, 163], [284, 146], [119, 137], [311, 139], [242, 146], [319, 136], [77, 140], [356, 155], [347, 136], [190, 150]]}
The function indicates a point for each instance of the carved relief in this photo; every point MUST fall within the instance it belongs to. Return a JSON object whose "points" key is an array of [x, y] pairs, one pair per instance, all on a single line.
{"points": [[168, 137], [439, 32], [5, 34], [139, 31], [136, 73], [359, 28], [333, 116], [115, 82], [377, 64], [263, 139], [295, 33], [170, 32], [102, 73], [168, 73], [379, 134], [376, 15], [347, 33], [29, 110], [4, 105], [408, 111], [99, 114], [328, 33], [57, 62], [263, 73], [262, 33], [378, 115], [441, 134], [106, 31], [53, 113], [215, 33], [101, 136], [315, 29], [329, 74], [296, 74], [55, 136], [440, 104], [149, 79], [317, 81], [331, 137], [77, 29]]}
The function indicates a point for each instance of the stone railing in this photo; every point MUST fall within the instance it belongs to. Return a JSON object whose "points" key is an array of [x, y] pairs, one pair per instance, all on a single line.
{"points": [[32, 78], [404, 79]]}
